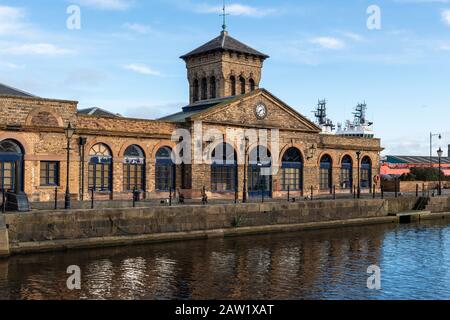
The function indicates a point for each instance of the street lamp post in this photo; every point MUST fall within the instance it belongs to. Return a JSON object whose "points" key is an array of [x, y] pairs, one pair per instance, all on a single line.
{"points": [[358, 157], [244, 191], [69, 131], [440, 153], [431, 146]]}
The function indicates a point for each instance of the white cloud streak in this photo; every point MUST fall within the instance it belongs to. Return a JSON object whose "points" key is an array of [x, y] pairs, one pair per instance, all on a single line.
{"points": [[47, 49], [329, 43], [237, 9], [114, 5], [142, 69]]}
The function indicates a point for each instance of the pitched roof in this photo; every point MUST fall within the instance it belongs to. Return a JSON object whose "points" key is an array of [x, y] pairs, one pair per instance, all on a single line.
{"points": [[98, 112], [224, 42], [10, 91], [195, 108], [415, 160]]}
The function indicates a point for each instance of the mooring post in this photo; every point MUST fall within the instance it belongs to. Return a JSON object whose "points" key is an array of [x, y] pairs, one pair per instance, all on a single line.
{"points": [[92, 198], [289, 193], [56, 198]]}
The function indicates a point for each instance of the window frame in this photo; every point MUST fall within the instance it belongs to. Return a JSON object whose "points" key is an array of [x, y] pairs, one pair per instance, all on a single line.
{"points": [[47, 176]]}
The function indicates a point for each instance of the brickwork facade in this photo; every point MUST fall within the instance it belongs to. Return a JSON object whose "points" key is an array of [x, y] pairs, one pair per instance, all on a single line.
{"points": [[37, 126]]}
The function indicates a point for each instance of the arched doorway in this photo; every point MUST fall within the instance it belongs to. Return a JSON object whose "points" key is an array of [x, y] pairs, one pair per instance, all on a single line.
{"points": [[292, 170], [134, 169], [326, 173], [347, 173], [11, 166], [165, 174], [224, 169], [100, 168], [258, 183], [366, 173]]}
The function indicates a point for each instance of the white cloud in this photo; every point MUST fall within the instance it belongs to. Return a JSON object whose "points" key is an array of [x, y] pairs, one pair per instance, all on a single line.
{"points": [[329, 43], [142, 69], [446, 16], [34, 49], [13, 66], [106, 4], [237, 9], [11, 20], [139, 28]]}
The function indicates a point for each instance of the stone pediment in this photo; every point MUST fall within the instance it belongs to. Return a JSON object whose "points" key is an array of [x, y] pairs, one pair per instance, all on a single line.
{"points": [[242, 111]]}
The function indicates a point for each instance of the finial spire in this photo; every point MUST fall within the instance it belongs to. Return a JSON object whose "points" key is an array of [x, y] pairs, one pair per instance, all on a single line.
{"points": [[224, 15]]}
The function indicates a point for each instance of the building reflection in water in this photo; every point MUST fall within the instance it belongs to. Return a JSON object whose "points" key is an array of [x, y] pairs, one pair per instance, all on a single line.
{"points": [[327, 264]]}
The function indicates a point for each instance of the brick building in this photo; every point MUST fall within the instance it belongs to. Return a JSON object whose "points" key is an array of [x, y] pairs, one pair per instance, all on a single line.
{"points": [[113, 155]]}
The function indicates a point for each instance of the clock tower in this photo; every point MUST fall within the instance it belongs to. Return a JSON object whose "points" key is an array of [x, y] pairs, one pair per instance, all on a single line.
{"points": [[221, 68]]}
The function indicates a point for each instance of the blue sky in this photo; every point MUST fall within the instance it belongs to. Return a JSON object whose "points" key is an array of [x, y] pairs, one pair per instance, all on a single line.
{"points": [[125, 57]]}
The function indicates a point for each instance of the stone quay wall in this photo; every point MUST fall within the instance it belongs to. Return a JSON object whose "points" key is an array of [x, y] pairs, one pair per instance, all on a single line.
{"points": [[59, 230]]}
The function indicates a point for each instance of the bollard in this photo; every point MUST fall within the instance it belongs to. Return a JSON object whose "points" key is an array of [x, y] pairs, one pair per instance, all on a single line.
{"points": [[236, 196], [3, 201], [312, 193], [289, 193], [262, 195], [334, 192], [134, 197], [92, 198], [170, 196], [56, 198]]}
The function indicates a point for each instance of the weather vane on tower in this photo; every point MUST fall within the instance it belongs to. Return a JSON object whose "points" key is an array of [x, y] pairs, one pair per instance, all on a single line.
{"points": [[224, 15]]}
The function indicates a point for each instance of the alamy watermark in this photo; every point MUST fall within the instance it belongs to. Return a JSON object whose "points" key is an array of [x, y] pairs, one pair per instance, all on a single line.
{"points": [[74, 280], [374, 19], [73, 22], [374, 281]]}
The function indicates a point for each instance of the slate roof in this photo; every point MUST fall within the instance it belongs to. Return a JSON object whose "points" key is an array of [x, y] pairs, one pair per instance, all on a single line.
{"points": [[98, 112], [10, 91], [196, 108], [415, 160], [224, 42]]}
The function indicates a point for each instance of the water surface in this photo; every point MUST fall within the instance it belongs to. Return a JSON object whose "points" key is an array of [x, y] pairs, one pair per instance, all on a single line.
{"points": [[327, 264]]}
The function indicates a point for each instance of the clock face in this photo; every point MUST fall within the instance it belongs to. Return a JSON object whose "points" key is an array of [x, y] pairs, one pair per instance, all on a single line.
{"points": [[261, 111]]}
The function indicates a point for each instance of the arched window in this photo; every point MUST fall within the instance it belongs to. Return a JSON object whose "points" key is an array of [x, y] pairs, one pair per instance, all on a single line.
{"points": [[292, 170], [347, 173], [224, 169], [326, 173], [252, 85], [100, 168], [258, 181], [212, 88], [11, 158], [134, 169], [366, 173], [242, 82], [165, 170], [196, 89], [233, 85], [204, 89]]}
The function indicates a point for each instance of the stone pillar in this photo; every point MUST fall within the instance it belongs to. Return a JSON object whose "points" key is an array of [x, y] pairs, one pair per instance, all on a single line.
{"points": [[4, 238]]}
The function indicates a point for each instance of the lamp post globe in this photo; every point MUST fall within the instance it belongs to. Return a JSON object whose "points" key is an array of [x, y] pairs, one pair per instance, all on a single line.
{"points": [[69, 132]]}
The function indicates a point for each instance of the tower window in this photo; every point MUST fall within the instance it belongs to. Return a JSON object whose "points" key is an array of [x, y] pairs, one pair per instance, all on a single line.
{"points": [[233, 85], [212, 90], [204, 89], [252, 85], [242, 81], [196, 88]]}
